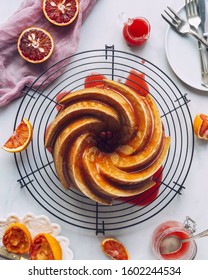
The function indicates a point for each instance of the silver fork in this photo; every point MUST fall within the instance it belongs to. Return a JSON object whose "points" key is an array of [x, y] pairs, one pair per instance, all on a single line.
{"points": [[194, 21], [181, 26]]}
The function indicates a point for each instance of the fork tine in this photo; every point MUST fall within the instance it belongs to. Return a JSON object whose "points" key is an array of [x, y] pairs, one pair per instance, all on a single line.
{"points": [[168, 21], [191, 7], [174, 20], [175, 14], [194, 6], [187, 6]]}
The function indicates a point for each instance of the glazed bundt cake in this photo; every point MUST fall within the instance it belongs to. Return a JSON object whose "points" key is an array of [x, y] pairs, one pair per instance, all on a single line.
{"points": [[140, 150]]}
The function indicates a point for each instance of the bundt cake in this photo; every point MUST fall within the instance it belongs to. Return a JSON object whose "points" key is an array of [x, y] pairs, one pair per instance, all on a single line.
{"points": [[140, 150]]}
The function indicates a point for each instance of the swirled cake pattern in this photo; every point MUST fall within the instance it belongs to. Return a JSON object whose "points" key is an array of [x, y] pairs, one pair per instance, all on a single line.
{"points": [[140, 150]]}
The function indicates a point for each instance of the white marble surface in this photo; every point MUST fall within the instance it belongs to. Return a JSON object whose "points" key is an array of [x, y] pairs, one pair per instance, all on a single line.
{"points": [[104, 27]]}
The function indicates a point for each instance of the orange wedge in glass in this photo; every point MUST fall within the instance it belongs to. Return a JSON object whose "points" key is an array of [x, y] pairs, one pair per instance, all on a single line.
{"points": [[201, 126], [45, 247], [17, 238], [114, 249], [20, 139]]}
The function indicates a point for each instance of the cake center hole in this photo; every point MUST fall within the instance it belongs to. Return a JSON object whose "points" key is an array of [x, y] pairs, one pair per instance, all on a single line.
{"points": [[107, 141]]}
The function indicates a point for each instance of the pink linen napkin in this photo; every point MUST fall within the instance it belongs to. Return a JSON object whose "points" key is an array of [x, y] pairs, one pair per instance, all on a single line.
{"points": [[14, 71]]}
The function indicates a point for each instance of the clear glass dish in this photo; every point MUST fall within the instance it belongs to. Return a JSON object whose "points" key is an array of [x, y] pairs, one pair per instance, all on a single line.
{"points": [[187, 251]]}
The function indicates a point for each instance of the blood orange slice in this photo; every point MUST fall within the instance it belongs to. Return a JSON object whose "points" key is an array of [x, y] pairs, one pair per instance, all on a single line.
{"points": [[20, 139], [45, 247], [201, 126], [114, 249], [17, 238], [61, 12], [35, 45]]}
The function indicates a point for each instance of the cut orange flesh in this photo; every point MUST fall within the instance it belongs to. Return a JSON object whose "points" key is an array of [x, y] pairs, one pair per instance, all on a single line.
{"points": [[45, 247], [35, 45], [114, 249], [20, 139], [201, 126], [17, 238], [61, 12]]}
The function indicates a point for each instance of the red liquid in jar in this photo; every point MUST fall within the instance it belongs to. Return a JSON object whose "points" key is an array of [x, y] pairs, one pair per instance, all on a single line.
{"points": [[174, 228], [136, 31], [182, 251]]}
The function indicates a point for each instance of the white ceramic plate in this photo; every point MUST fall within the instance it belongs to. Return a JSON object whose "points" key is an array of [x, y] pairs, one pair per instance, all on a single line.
{"points": [[39, 224], [183, 56]]}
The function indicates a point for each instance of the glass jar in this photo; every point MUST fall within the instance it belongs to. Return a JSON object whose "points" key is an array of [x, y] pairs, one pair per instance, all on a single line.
{"points": [[136, 31], [188, 249]]}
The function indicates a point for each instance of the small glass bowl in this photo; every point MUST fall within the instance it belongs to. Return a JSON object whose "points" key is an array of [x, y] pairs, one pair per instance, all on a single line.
{"points": [[136, 31], [188, 249]]}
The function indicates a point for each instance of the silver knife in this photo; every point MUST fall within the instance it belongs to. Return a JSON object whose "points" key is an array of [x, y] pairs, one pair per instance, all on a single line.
{"points": [[202, 13], [10, 256]]}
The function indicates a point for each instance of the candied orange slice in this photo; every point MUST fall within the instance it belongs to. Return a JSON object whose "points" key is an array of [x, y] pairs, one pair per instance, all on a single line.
{"points": [[45, 247], [201, 126], [20, 139], [17, 238], [114, 249]]}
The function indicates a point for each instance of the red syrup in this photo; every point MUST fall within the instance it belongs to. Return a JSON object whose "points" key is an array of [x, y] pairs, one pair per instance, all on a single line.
{"points": [[136, 31], [59, 96], [148, 196], [49, 149], [136, 81], [173, 228], [94, 80]]}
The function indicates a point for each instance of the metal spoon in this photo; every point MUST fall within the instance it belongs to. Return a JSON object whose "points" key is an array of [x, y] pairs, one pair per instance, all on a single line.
{"points": [[172, 244]]}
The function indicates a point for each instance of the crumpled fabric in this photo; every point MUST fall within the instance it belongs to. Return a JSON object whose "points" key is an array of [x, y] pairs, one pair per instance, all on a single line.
{"points": [[15, 72]]}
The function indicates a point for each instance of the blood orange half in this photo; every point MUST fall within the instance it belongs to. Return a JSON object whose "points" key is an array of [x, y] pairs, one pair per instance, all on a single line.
{"points": [[45, 247], [35, 45], [17, 238], [61, 12]]}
